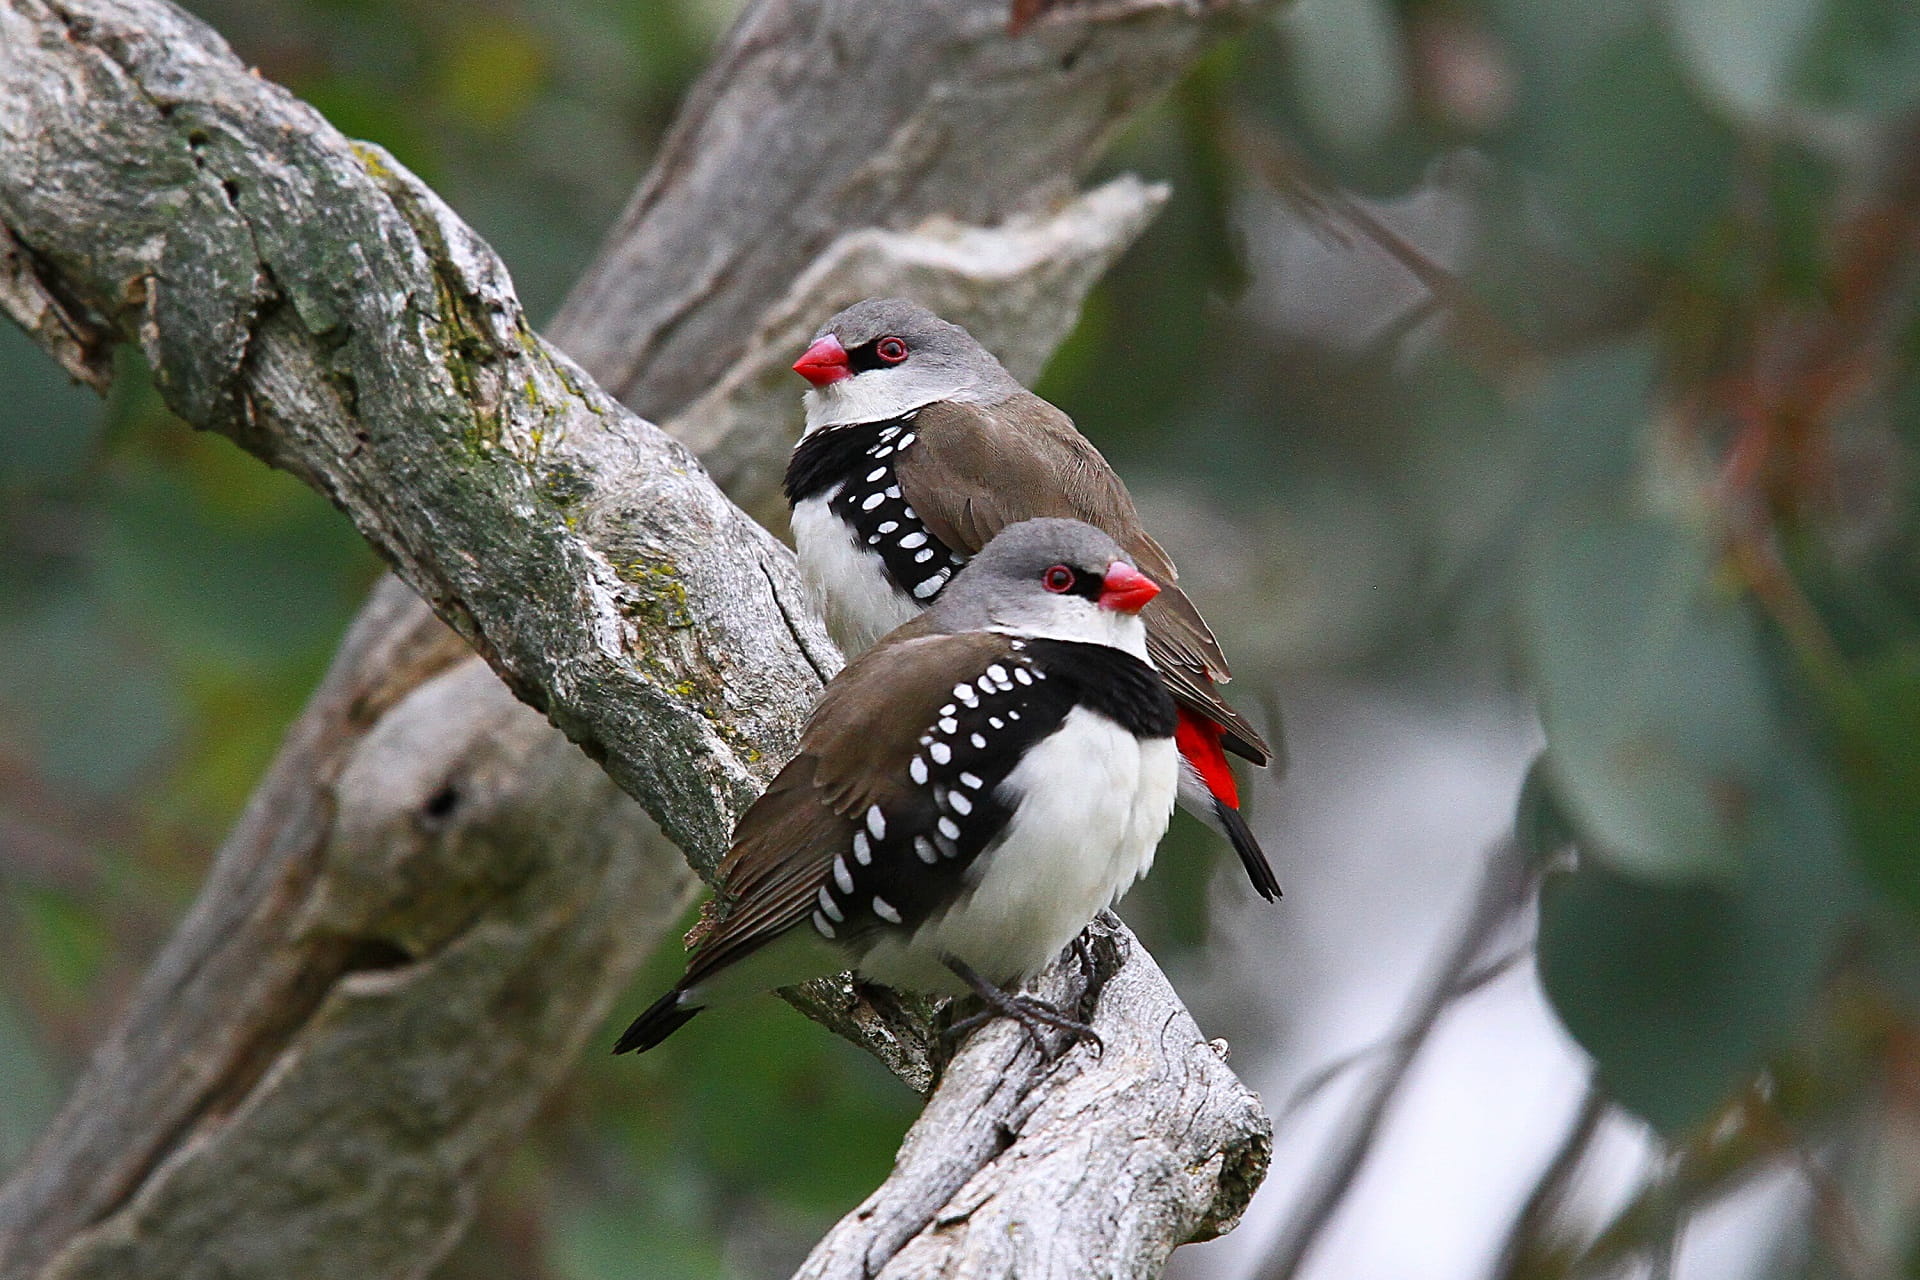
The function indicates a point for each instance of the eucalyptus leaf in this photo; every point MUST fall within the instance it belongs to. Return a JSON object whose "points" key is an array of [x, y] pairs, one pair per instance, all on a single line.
{"points": [[1589, 418], [1743, 51], [1347, 66], [1863, 56], [1681, 990], [1879, 763], [1614, 134], [1540, 824], [1653, 692]]}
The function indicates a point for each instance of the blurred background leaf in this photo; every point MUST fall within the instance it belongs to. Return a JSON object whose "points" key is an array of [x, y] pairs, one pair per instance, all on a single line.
{"points": [[1682, 990], [1653, 696], [1743, 51]]}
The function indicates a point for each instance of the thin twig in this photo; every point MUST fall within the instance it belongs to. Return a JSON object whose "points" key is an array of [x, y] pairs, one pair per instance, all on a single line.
{"points": [[1529, 1236], [1316, 1082], [1666, 1249], [1481, 335], [1504, 885], [1835, 1220]]}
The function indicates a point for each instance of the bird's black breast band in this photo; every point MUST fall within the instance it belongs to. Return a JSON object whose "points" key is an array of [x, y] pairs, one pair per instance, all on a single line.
{"points": [[859, 459], [910, 859]]}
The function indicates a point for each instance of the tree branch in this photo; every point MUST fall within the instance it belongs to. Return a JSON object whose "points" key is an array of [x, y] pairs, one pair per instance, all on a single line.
{"points": [[311, 299], [378, 353], [1532, 1241], [1098, 1166], [353, 1024], [951, 119]]}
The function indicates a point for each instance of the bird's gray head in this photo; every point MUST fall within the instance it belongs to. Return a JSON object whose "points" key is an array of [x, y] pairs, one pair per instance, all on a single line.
{"points": [[882, 357], [1058, 578]]}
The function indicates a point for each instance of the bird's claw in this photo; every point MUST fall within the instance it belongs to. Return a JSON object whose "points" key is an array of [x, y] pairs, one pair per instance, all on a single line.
{"points": [[1033, 1014]]}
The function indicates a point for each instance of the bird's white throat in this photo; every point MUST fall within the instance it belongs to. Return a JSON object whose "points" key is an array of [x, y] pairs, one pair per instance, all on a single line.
{"points": [[879, 394], [1122, 631]]}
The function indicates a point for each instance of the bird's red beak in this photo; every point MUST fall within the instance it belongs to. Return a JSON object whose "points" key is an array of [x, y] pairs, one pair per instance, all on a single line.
{"points": [[823, 362], [1125, 589]]}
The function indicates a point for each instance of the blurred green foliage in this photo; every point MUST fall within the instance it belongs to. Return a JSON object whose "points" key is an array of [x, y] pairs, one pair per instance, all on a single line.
{"points": [[1660, 467], [1649, 454]]}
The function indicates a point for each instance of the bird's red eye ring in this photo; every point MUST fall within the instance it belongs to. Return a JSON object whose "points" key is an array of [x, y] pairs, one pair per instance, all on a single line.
{"points": [[892, 350], [1059, 578]]}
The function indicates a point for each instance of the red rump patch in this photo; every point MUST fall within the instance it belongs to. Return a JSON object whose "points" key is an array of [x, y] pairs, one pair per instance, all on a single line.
{"points": [[1198, 742]]}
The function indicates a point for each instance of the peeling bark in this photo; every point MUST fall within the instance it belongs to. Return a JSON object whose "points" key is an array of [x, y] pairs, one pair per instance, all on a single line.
{"points": [[858, 116]]}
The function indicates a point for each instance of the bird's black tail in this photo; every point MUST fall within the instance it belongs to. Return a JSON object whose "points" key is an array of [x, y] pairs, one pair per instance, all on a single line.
{"points": [[662, 1018], [1240, 836]]}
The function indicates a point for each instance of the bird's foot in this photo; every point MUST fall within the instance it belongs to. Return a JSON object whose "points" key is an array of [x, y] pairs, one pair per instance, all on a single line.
{"points": [[1034, 1015], [1082, 948]]}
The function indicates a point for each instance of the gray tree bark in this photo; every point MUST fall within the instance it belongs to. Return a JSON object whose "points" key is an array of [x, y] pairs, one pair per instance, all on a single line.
{"points": [[433, 900], [1096, 1167], [858, 116]]}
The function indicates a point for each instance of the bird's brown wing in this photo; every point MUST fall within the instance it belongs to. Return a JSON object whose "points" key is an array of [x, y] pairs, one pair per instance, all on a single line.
{"points": [[975, 469], [870, 719], [853, 754], [782, 849]]}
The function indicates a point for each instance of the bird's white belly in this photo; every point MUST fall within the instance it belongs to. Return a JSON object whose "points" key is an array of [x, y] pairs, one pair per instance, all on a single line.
{"points": [[1092, 804], [848, 582]]}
